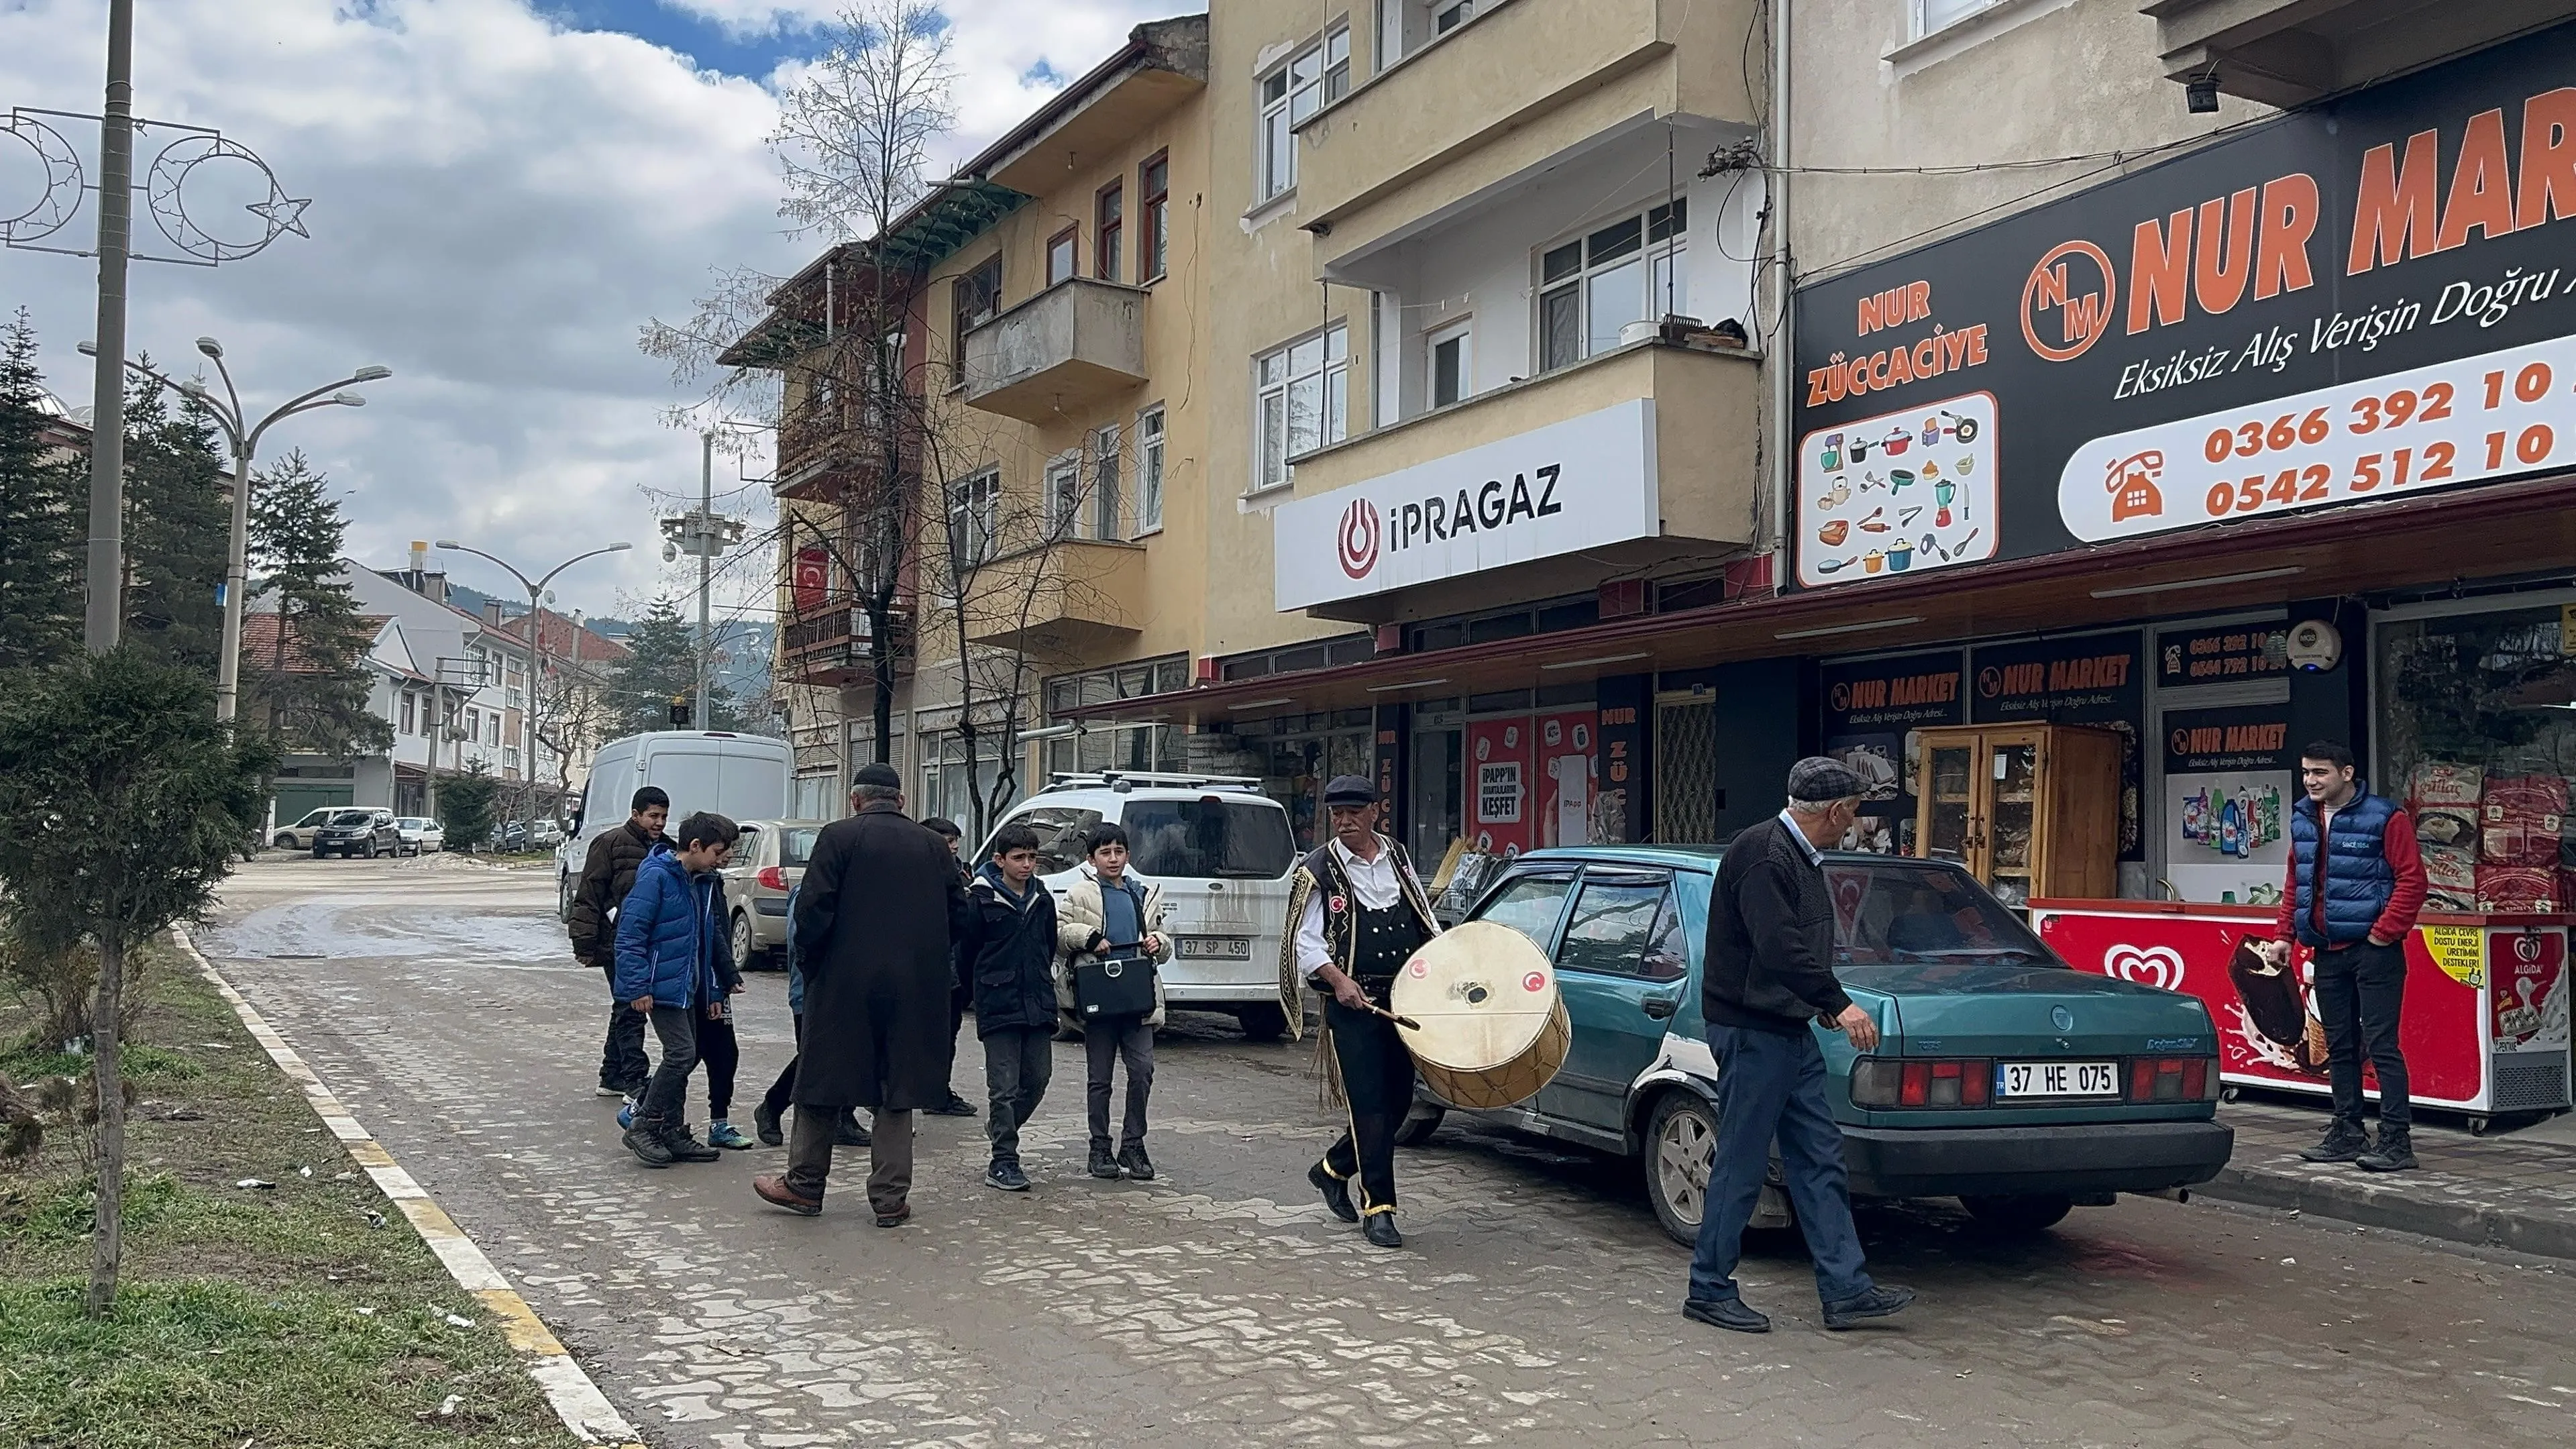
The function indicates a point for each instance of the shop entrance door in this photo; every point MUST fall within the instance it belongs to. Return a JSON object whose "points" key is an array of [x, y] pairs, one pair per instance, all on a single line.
{"points": [[1438, 814], [1686, 769]]}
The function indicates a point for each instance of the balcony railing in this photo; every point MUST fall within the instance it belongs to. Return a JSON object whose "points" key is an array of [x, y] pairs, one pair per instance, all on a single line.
{"points": [[1077, 343], [830, 645], [825, 450]]}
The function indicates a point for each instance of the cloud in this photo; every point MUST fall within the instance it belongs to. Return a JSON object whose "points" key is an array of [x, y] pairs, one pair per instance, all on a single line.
{"points": [[498, 201]]}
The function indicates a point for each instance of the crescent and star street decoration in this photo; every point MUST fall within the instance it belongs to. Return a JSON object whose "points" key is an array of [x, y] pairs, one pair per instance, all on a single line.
{"points": [[196, 152]]}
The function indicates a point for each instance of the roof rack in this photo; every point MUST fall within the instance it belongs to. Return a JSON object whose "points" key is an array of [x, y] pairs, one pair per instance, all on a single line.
{"points": [[1163, 779]]}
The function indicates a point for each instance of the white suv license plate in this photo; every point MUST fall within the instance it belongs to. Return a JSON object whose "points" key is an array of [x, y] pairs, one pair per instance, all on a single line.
{"points": [[1214, 948], [2057, 1079]]}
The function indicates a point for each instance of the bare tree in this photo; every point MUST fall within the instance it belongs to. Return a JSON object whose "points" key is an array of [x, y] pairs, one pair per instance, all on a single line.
{"points": [[853, 138]]}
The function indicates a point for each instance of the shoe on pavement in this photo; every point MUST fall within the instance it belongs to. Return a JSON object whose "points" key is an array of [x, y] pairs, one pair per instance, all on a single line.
{"points": [[2395, 1152], [721, 1133], [1006, 1176], [687, 1148], [648, 1146], [1138, 1165], [626, 1114], [955, 1106], [850, 1134], [1337, 1193], [2344, 1142], [1103, 1166], [895, 1219], [605, 1090], [1727, 1313], [764, 1124], [773, 1189], [1878, 1302], [1381, 1231]]}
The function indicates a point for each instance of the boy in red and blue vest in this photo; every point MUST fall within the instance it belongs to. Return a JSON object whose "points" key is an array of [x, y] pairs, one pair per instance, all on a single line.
{"points": [[2356, 884]]}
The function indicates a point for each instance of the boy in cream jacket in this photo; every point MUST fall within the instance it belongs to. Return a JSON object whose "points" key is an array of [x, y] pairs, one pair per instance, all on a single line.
{"points": [[1111, 914]]}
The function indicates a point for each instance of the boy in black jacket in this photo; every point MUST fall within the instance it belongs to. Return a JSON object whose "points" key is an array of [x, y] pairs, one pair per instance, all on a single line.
{"points": [[1013, 953]]}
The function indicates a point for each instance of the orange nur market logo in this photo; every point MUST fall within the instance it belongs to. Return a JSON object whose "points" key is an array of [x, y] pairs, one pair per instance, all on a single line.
{"points": [[2068, 298], [1357, 539]]}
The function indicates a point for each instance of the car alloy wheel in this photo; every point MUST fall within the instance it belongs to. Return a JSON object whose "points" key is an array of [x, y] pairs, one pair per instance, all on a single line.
{"points": [[742, 947], [1681, 1143]]}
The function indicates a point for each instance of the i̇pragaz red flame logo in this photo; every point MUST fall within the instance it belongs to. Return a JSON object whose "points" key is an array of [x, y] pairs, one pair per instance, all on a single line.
{"points": [[1357, 539]]}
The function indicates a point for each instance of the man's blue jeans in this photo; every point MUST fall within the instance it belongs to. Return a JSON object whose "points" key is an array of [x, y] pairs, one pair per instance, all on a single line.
{"points": [[1770, 1085]]}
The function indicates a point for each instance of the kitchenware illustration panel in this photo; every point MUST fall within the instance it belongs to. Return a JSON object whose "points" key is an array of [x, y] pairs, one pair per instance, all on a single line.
{"points": [[1901, 492]]}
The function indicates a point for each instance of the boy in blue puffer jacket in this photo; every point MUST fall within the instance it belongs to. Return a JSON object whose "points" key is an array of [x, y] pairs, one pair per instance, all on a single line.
{"points": [[675, 964]]}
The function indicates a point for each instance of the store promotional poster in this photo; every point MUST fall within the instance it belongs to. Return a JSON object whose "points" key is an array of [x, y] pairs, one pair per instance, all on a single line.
{"points": [[2366, 299], [2231, 777], [2080, 679], [1875, 712], [1533, 782]]}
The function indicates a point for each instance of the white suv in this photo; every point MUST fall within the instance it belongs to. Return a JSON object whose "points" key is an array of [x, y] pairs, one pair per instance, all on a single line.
{"points": [[1222, 852]]}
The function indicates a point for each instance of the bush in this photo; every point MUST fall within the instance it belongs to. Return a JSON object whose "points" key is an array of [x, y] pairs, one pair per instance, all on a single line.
{"points": [[465, 806]]}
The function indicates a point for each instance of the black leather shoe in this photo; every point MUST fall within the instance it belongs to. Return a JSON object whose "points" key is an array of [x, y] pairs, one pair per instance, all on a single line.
{"points": [[1381, 1231], [648, 1147], [2395, 1152], [955, 1106], [1103, 1166], [850, 1134], [1337, 1193], [2344, 1142], [764, 1125], [685, 1147], [1878, 1302], [1726, 1313], [1138, 1165]]}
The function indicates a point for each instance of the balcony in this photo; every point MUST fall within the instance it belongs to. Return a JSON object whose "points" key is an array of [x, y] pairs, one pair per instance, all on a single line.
{"points": [[825, 453], [1704, 407], [1075, 345], [2290, 52], [1059, 601], [828, 646], [1522, 81]]}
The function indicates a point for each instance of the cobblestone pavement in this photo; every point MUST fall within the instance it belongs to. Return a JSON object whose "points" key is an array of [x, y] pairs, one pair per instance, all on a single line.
{"points": [[1535, 1304]]}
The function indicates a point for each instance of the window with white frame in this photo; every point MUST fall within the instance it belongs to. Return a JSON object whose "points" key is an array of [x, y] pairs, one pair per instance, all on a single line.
{"points": [[1149, 469], [408, 702], [492, 728], [1105, 499], [1627, 271], [1062, 248], [1063, 495], [1310, 80], [1301, 401], [974, 517], [1452, 358], [1932, 15]]}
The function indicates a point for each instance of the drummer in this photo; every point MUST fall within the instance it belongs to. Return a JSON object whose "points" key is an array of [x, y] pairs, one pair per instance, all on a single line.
{"points": [[1360, 913]]}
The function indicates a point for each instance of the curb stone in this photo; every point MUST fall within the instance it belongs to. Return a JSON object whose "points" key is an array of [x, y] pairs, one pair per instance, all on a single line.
{"points": [[576, 1399]]}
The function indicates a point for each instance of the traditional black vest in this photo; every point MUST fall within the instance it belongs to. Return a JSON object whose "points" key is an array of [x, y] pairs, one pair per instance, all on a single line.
{"points": [[1370, 946]]}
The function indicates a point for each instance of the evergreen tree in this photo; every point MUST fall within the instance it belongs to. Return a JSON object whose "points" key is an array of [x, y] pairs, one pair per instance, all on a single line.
{"points": [[42, 510], [661, 665], [178, 521], [465, 802], [313, 686]]}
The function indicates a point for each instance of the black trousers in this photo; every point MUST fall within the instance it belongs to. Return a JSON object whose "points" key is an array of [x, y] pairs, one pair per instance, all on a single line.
{"points": [[665, 1101], [1377, 1081], [776, 1100], [2361, 989], [1106, 1041], [718, 1048], [622, 1064]]}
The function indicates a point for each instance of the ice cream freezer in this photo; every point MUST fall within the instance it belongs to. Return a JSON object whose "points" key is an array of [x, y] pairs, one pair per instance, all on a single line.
{"points": [[2485, 1024]]}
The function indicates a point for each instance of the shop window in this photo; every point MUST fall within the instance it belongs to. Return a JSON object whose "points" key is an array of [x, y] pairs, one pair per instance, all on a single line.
{"points": [[1580, 614], [2477, 736], [1149, 470], [1499, 626], [1311, 80], [1154, 213], [1061, 251], [1110, 228], [1301, 401], [1627, 271]]}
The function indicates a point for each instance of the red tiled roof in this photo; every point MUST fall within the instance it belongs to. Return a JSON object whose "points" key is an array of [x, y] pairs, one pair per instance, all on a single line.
{"points": [[562, 637], [260, 641]]}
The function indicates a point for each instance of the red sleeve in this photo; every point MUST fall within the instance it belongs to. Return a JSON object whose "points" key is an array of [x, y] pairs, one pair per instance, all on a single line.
{"points": [[2406, 898], [2285, 929]]}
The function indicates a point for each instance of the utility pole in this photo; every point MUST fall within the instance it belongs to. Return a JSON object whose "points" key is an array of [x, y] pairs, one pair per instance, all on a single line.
{"points": [[105, 614], [702, 533]]}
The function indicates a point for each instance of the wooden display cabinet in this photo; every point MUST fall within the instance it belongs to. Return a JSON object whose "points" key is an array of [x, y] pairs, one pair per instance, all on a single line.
{"points": [[2029, 809]]}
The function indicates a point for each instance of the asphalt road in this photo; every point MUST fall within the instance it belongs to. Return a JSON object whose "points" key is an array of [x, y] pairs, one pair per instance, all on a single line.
{"points": [[1536, 1301]]}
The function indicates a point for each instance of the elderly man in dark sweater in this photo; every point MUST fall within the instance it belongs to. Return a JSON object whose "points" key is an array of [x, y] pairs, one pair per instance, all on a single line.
{"points": [[1768, 982]]}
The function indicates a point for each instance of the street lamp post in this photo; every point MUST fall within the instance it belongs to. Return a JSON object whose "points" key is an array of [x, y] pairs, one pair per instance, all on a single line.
{"points": [[536, 651], [228, 415]]}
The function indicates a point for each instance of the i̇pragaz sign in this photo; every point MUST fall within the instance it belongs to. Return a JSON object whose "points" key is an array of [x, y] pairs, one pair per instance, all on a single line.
{"points": [[2361, 300], [1578, 484]]}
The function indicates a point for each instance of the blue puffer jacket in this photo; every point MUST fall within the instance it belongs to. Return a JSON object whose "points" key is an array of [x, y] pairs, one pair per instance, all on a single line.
{"points": [[672, 944], [2359, 879]]}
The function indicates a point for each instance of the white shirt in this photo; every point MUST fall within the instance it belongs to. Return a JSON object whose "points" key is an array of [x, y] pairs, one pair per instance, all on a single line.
{"points": [[1375, 883], [1814, 855]]}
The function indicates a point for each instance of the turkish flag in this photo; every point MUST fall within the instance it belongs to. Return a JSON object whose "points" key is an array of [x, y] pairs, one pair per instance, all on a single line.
{"points": [[813, 579]]}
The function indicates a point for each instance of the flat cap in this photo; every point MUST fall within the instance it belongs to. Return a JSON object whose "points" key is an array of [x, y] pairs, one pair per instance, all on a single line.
{"points": [[1350, 790], [1818, 779], [880, 775]]}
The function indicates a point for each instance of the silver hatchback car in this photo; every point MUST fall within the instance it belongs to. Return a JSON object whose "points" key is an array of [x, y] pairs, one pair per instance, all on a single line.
{"points": [[767, 863]]}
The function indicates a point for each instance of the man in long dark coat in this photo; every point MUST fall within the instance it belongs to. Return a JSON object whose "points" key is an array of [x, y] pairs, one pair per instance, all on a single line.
{"points": [[874, 923]]}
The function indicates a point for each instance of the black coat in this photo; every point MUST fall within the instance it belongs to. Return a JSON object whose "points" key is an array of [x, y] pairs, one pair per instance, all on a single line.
{"points": [[607, 874], [1770, 957], [875, 916], [1012, 949]]}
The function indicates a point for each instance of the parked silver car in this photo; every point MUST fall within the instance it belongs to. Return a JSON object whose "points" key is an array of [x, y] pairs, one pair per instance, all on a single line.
{"points": [[767, 863], [299, 836], [420, 833]]}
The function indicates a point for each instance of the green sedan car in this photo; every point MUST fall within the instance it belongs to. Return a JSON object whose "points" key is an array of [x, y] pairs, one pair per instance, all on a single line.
{"points": [[2003, 1076]]}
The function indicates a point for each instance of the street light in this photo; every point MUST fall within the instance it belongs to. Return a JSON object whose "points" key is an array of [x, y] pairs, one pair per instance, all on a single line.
{"points": [[536, 651], [228, 415]]}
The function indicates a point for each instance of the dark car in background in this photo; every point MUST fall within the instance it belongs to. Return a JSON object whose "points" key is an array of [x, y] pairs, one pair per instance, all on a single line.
{"points": [[358, 832]]}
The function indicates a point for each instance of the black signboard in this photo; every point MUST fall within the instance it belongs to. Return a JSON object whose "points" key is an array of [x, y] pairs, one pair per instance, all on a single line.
{"points": [[1622, 765], [1872, 711], [2088, 679], [2249, 737], [2368, 298], [2225, 655]]}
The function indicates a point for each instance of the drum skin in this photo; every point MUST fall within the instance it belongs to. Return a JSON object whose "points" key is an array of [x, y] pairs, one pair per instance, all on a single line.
{"points": [[1490, 1030]]}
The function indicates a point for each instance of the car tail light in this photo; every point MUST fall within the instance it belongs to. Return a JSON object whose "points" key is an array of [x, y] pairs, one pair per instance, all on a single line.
{"points": [[2172, 1079], [773, 878], [1887, 1082]]}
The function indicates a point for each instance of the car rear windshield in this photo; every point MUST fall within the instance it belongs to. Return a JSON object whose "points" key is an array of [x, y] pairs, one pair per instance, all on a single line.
{"points": [[1901, 912], [1234, 839], [353, 817], [795, 847]]}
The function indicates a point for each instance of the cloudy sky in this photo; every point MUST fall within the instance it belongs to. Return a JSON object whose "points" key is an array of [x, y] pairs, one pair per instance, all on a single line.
{"points": [[503, 190]]}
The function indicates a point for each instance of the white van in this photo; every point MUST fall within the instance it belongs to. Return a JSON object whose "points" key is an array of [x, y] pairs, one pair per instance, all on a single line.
{"points": [[741, 777], [1222, 852]]}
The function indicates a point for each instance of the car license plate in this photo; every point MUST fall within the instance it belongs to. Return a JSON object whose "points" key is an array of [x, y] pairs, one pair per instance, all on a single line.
{"points": [[2056, 1079], [1215, 948]]}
